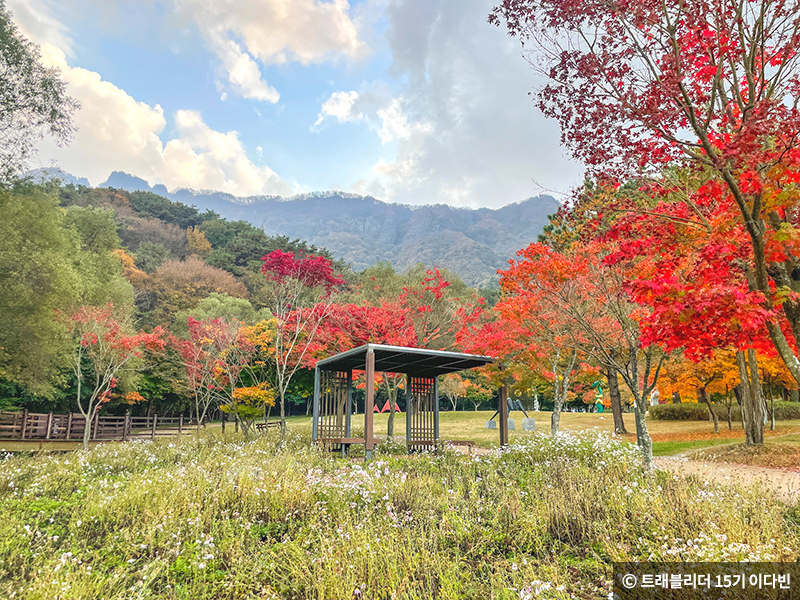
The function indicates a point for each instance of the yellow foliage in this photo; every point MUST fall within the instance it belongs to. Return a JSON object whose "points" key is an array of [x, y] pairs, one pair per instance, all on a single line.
{"points": [[135, 276], [255, 396], [197, 242]]}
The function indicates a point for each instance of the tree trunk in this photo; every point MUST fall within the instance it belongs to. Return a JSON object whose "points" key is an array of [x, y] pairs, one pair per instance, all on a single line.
{"points": [[561, 391], [638, 423], [642, 435], [751, 397], [283, 417], [616, 402], [676, 397], [87, 430], [794, 394], [555, 418], [702, 396], [729, 406], [772, 413]]}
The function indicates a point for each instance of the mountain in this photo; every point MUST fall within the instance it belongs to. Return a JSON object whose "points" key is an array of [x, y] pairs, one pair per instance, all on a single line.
{"points": [[54, 173], [362, 230]]}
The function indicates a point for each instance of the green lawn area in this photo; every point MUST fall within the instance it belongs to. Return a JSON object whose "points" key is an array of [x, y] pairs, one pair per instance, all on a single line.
{"points": [[669, 437]]}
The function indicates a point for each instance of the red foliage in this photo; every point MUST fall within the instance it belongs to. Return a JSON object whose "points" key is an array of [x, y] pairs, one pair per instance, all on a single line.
{"points": [[311, 271]]}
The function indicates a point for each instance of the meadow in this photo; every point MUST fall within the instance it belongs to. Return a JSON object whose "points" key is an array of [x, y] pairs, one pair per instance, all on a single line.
{"points": [[212, 517]]}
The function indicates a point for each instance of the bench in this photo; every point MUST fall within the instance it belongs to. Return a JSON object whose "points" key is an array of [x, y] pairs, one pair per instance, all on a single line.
{"points": [[262, 427]]}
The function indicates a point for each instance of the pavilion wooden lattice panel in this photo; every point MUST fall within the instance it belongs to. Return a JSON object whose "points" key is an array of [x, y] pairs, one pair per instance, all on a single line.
{"points": [[422, 413], [333, 420]]}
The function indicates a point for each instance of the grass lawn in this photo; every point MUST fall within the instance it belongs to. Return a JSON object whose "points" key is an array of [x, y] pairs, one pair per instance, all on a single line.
{"points": [[669, 437]]}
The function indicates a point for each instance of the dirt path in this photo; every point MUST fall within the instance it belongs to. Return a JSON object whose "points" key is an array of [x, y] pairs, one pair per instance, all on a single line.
{"points": [[785, 483]]}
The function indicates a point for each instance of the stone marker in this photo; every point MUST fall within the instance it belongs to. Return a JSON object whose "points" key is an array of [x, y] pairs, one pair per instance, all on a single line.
{"points": [[511, 424], [491, 425], [528, 424]]}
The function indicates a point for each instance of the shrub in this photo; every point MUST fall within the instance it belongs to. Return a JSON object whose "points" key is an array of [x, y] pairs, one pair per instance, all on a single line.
{"points": [[784, 411]]}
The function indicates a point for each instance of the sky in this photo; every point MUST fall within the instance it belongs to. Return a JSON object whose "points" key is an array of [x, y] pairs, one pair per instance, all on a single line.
{"points": [[411, 101]]}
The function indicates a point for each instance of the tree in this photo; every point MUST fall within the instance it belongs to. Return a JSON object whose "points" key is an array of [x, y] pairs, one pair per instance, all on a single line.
{"points": [[715, 375], [33, 101], [150, 256], [302, 294], [526, 337], [248, 404], [180, 285], [219, 306], [102, 350], [37, 278], [477, 388], [100, 271], [709, 86], [199, 357], [197, 242], [689, 273], [573, 304], [453, 387]]}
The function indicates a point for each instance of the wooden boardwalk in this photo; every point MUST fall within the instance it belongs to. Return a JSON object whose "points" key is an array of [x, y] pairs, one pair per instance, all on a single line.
{"points": [[22, 430]]}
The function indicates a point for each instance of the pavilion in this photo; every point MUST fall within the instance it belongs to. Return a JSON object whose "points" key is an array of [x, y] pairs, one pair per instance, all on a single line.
{"points": [[333, 387]]}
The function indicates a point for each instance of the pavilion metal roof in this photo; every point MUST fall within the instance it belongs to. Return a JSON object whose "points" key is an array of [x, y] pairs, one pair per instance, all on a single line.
{"points": [[418, 362]]}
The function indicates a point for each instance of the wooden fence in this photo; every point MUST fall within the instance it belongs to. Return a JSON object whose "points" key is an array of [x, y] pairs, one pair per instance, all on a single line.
{"points": [[23, 425]]}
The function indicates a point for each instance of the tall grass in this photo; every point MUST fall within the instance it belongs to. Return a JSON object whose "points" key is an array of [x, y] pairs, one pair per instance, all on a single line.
{"points": [[207, 518]]}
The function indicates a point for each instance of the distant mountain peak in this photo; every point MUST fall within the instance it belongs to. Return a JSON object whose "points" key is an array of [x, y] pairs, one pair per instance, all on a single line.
{"points": [[55, 174], [124, 181]]}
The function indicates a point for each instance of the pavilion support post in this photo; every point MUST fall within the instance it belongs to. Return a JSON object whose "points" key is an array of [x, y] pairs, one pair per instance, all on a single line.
{"points": [[436, 409], [503, 416], [315, 422], [348, 412], [369, 404], [409, 411]]}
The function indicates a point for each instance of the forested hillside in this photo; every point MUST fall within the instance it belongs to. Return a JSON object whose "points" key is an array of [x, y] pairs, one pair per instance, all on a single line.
{"points": [[155, 264], [363, 231]]}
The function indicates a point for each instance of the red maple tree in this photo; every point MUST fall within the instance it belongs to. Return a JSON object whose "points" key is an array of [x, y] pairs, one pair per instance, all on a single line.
{"points": [[103, 348]]}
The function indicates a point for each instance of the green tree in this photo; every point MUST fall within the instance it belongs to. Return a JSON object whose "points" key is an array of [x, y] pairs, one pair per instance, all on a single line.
{"points": [[219, 306], [38, 277], [100, 269], [33, 100], [150, 256]]}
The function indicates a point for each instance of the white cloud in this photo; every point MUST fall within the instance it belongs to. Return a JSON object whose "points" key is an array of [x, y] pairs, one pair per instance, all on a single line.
{"points": [[240, 32], [115, 132], [340, 107], [465, 128], [243, 73], [395, 125], [384, 114], [32, 17]]}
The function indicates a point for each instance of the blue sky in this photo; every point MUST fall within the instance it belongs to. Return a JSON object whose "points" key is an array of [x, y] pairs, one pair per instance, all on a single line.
{"points": [[413, 101]]}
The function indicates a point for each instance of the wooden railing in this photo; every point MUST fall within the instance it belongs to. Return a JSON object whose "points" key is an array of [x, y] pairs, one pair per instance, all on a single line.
{"points": [[23, 425]]}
